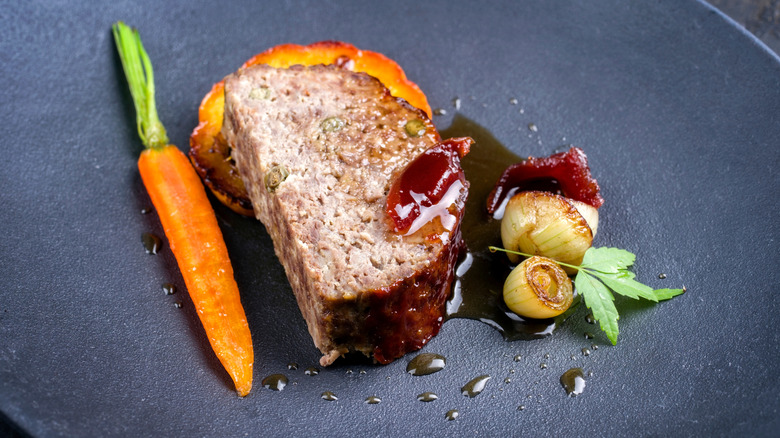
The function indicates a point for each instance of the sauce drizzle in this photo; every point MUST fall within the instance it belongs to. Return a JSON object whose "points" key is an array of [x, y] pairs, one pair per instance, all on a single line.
{"points": [[430, 194]]}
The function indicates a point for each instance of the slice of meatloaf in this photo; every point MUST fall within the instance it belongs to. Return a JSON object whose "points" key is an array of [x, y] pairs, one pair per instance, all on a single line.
{"points": [[318, 148]]}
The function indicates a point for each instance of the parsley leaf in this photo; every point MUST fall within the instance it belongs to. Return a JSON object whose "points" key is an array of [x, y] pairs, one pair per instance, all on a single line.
{"points": [[607, 260], [665, 294], [609, 266], [624, 284], [600, 301]]}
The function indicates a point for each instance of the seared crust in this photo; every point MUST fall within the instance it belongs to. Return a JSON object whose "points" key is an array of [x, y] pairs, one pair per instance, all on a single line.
{"points": [[213, 162], [333, 140]]}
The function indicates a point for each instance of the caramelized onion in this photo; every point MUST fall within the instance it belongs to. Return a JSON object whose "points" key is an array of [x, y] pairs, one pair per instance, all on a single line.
{"points": [[589, 213], [542, 223], [538, 288]]}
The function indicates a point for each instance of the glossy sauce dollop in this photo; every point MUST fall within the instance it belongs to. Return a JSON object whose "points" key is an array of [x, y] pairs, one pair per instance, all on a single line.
{"points": [[564, 172], [429, 196]]}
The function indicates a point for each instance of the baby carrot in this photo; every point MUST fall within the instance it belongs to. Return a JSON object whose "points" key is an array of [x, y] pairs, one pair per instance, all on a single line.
{"points": [[188, 220]]}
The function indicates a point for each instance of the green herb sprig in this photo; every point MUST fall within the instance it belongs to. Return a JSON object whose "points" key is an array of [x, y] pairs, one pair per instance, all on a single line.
{"points": [[603, 270]]}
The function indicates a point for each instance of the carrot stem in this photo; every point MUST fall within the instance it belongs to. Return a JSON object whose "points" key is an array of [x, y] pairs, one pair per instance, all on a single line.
{"points": [[188, 220], [140, 78]]}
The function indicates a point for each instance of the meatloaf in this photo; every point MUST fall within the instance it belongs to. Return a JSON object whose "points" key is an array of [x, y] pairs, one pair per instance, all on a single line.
{"points": [[318, 148]]}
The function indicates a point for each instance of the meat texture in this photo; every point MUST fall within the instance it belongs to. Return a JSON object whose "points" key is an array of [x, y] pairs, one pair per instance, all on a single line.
{"points": [[318, 148]]}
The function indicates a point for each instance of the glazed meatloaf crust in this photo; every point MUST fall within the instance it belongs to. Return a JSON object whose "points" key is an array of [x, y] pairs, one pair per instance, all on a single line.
{"points": [[318, 148]]}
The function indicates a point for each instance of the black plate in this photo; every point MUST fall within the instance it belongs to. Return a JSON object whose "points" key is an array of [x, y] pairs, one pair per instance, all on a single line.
{"points": [[678, 110]]}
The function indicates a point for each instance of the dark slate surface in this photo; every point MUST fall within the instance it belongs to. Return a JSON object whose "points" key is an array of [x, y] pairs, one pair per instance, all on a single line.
{"points": [[677, 108], [759, 17]]}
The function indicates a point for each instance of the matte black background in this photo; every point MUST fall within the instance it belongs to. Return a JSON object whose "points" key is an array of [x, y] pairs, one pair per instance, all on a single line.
{"points": [[678, 110]]}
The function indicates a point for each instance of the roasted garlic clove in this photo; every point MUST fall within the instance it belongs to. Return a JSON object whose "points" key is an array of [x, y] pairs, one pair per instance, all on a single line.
{"points": [[546, 224], [538, 288]]}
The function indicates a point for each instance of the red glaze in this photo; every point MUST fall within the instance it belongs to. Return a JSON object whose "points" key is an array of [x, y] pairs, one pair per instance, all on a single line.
{"points": [[429, 187], [567, 171]]}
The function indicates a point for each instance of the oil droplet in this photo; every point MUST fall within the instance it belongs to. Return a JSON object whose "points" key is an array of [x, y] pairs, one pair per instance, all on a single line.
{"points": [[292, 366], [178, 304], [572, 357], [532, 127], [426, 363], [373, 400], [594, 347], [521, 408], [588, 335], [661, 275], [511, 371], [427, 397], [585, 352], [573, 382], [152, 243], [146, 210], [329, 396], [518, 358], [362, 372], [439, 112], [543, 366], [546, 355], [312, 371], [590, 373], [276, 382], [451, 414], [507, 380], [349, 371], [169, 288], [456, 103], [589, 318], [513, 101], [475, 386]]}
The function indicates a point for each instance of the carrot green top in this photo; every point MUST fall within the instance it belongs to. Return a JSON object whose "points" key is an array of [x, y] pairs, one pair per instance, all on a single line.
{"points": [[140, 78]]}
